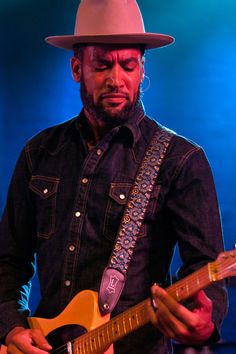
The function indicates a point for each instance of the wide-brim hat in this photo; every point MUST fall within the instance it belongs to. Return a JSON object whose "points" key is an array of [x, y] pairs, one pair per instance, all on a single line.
{"points": [[110, 22]]}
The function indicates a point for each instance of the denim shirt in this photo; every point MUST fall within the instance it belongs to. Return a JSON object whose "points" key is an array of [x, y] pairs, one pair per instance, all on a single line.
{"points": [[63, 211]]}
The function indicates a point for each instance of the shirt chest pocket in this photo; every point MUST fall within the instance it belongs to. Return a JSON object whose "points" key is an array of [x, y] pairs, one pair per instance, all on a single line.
{"points": [[118, 197], [44, 195]]}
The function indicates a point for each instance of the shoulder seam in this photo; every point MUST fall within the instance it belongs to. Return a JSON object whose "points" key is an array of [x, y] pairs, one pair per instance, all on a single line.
{"points": [[184, 159]]}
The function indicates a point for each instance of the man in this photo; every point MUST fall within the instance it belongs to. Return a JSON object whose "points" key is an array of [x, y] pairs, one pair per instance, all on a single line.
{"points": [[71, 185]]}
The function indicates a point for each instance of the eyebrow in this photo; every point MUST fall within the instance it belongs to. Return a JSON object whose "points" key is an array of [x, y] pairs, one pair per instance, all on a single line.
{"points": [[123, 61], [129, 60]]}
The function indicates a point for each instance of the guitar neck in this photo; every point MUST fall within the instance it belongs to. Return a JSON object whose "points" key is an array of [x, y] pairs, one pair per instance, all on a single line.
{"points": [[187, 287], [100, 338]]}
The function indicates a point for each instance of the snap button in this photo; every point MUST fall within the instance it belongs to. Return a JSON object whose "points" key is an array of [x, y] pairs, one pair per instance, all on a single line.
{"points": [[77, 214], [67, 283], [122, 196], [99, 151], [85, 180], [45, 191], [72, 248]]}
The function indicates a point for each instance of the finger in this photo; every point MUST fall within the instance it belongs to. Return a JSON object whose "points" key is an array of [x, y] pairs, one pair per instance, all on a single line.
{"points": [[168, 324], [202, 301], [24, 348], [180, 312], [160, 294], [39, 340], [29, 341]]}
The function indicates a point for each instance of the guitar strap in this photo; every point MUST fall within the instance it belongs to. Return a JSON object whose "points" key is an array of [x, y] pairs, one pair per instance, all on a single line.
{"points": [[114, 275]]}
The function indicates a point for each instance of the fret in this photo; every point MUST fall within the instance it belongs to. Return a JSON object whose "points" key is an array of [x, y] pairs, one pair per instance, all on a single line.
{"points": [[102, 336], [198, 282], [79, 346], [114, 329], [187, 288], [124, 324], [119, 330], [137, 319], [130, 322], [133, 317], [76, 347], [92, 344], [127, 320], [99, 338], [177, 294], [84, 347], [108, 334]]}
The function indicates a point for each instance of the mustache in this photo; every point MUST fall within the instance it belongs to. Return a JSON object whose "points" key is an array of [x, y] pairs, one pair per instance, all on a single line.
{"points": [[114, 93]]}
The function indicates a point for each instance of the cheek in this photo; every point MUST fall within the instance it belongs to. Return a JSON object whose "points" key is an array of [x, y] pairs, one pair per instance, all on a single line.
{"points": [[94, 86], [133, 87]]}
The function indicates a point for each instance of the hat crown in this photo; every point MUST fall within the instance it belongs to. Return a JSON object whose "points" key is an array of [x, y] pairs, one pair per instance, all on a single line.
{"points": [[108, 17], [110, 22]]}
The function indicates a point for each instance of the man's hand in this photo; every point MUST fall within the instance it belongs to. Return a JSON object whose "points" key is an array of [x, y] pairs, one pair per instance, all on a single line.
{"points": [[27, 341], [177, 322]]}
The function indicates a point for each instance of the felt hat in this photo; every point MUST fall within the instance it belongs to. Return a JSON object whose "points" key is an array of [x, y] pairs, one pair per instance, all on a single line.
{"points": [[109, 22]]}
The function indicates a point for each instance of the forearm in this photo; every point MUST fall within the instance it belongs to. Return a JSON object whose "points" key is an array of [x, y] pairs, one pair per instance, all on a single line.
{"points": [[197, 226], [11, 317], [14, 296], [17, 247]]}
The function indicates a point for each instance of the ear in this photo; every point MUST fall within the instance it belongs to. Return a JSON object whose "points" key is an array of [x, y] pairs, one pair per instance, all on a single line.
{"points": [[76, 68], [142, 70]]}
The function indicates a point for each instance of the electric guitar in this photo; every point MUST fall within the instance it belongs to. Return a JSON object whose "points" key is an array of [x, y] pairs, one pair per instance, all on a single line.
{"points": [[98, 332]]}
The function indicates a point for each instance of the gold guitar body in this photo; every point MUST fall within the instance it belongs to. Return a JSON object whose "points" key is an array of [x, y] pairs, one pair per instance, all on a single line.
{"points": [[101, 331], [82, 310]]}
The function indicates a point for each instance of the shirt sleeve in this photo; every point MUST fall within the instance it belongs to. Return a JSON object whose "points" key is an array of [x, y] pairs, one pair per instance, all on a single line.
{"points": [[196, 223], [17, 245]]}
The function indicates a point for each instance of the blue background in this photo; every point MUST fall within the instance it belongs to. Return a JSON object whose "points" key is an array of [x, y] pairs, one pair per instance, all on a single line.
{"points": [[192, 90]]}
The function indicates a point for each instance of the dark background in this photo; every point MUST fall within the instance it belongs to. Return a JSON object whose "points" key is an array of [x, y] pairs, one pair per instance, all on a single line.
{"points": [[192, 87]]}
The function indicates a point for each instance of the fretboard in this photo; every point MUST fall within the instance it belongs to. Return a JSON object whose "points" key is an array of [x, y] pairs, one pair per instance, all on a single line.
{"points": [[99, 339]]}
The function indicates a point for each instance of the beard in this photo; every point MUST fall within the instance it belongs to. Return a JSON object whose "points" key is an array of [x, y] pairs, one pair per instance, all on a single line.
{"points": [[98, 112]]}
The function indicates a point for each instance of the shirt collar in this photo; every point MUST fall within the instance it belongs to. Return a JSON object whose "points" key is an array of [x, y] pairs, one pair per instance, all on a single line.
{"points": [[131, 126]]}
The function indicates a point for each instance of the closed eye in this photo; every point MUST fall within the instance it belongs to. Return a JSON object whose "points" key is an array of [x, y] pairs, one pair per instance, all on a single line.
{"points": [[129, 64], [101, 65]]}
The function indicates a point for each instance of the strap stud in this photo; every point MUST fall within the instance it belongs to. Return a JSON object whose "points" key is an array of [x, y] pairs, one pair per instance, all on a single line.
{"points": [[106, 307]]}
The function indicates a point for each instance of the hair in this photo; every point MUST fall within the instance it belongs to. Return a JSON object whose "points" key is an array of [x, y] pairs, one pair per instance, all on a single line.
{"points": [[78, 48]]}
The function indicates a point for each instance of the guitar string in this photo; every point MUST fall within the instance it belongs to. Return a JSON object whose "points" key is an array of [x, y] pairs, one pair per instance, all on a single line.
{"points": [[191, 281], [93, 333], [89, 335], [206, 276]]}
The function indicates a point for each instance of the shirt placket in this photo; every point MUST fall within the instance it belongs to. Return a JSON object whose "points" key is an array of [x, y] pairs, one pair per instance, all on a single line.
{"points": [[79, 213]]}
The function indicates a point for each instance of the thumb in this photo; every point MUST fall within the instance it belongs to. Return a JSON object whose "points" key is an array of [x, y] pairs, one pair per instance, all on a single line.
{"points": [[40, 340], [202, 301]]}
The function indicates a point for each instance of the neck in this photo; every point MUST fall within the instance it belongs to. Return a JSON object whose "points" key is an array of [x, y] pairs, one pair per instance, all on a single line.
{"points": [[98, 128]]}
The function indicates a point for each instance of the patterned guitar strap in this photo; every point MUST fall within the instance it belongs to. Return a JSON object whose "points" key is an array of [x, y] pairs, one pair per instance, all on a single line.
{"points": [[114, 275]]}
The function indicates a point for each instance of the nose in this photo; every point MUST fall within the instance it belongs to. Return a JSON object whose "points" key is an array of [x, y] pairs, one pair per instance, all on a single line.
{"points": [[114, 79]]}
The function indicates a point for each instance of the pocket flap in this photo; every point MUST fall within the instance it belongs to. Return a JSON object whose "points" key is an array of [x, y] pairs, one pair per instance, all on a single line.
{"points": [[120, 192], [44, 186]]}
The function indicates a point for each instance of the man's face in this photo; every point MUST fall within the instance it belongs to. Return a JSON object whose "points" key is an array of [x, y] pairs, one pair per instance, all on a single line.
{"points": [[110, 78]]}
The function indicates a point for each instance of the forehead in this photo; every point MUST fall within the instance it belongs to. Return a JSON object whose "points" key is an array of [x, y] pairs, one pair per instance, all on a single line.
{"points": [[111, 52]]}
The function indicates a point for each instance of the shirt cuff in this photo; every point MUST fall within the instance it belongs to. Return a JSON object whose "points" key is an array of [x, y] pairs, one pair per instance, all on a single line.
{"points": [[11, 317]]}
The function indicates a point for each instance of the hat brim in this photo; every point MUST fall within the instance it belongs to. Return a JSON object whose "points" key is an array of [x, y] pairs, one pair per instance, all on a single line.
{"points": [[149, 40]]}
